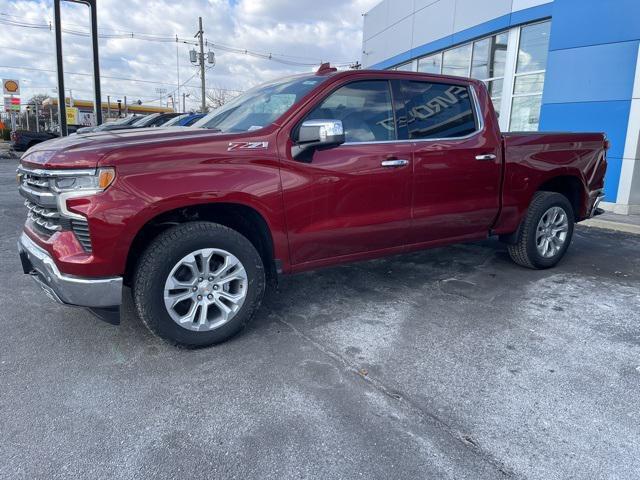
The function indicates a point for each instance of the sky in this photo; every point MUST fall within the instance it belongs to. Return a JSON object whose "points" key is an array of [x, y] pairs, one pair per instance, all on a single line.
{"points": [[298, 34]]}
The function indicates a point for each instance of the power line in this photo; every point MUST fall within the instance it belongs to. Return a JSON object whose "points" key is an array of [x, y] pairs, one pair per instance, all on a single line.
{"points": [[111, 60], [137, 80], [280, 58], [184, 84]]}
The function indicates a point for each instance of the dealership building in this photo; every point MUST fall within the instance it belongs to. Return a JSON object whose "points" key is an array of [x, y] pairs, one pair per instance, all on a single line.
{"points": [[550, 65]]}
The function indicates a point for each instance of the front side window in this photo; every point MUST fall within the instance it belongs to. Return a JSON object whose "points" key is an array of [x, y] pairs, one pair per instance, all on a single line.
{"points": [[437, 110], [364, 108]]}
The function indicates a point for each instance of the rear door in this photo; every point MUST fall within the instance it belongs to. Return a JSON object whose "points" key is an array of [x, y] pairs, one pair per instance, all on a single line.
{"points": [[457, 166], [356, 197]]}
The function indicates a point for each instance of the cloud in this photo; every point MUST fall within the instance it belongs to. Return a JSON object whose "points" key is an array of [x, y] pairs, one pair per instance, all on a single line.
{"points": [[303, 31]]}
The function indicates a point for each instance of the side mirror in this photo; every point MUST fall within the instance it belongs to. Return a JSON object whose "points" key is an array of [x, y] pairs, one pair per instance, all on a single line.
{"points": [[314, 134]]}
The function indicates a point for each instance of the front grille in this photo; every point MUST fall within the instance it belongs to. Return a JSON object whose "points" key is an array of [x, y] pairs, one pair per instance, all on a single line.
{"points": [[47, 220], [42, 206]]}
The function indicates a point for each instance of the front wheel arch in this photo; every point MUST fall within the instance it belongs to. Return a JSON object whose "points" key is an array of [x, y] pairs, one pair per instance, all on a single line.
{"points": [[239, 217]]}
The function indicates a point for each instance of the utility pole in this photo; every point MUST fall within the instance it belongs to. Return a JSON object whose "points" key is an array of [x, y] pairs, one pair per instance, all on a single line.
{"points": [[201, 35]]}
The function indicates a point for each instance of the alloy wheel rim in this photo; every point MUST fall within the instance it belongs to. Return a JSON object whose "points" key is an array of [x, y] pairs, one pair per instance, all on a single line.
{"points": [[205, 289], [552, 231]]}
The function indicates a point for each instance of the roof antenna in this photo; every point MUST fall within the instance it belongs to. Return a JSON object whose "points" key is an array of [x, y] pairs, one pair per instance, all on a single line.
{"points": [[325, 68]]}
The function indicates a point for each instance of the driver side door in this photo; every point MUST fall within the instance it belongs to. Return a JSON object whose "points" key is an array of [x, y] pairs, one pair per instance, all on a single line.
{"points": [[353, 200]]}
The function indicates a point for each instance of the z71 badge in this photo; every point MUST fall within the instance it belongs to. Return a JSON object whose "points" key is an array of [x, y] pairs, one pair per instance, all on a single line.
{"points": [[247, 145]]}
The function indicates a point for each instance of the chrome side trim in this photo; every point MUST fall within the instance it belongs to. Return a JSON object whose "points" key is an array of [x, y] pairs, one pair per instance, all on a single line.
{"points": [[38, 172], [62, 202], [67, 289], [35, 193], [394, 163]]}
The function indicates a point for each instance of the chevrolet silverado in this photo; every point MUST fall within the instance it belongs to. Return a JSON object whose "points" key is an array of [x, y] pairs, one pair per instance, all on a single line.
{"points": [[296, 174]]}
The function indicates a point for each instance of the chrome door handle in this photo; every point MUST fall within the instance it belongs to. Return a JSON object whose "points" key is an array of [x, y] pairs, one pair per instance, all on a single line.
{"points": [[489, 156], [394, 163]]}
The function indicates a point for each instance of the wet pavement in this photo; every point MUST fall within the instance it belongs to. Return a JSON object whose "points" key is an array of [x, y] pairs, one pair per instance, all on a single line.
{"points": [[448, 363]]}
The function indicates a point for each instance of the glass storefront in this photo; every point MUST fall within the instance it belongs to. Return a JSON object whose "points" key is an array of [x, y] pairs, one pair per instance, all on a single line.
{"points": [[512, 63]]}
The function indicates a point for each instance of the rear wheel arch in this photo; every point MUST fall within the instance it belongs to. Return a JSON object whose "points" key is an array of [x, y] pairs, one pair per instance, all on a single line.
{"points": [[239, 217], [572, 187]]}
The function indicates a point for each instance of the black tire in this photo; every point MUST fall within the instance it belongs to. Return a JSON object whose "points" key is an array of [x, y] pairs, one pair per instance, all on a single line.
{"points": [[160, 257], [525, 252]]}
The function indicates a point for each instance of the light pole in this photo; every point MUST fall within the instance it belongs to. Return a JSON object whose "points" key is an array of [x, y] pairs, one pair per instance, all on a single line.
{"points": [[184, 103], [97, 105], [35, 107]]}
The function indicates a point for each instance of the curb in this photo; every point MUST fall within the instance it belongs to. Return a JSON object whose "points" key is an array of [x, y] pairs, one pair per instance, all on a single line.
{"points": [[609, 225]]}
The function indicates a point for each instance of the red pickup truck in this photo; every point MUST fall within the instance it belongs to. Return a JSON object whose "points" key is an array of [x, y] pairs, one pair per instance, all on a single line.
{"points": [[300, 173]]}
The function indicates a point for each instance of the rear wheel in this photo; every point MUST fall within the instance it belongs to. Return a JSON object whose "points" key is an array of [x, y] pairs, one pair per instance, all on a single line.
{"points": [[546, 232], [198, 284]]}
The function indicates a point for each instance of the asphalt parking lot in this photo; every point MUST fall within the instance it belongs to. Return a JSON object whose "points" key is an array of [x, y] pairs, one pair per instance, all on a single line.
{"points": [[449, 363]]}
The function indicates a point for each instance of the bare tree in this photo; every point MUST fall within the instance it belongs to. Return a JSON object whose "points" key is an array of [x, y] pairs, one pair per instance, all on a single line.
{"points": [[217, 96], [43, 118]]}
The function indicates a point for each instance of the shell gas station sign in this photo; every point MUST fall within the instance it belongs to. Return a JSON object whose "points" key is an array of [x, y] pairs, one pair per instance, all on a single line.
{"points": [[11, 90], [11, 87]]}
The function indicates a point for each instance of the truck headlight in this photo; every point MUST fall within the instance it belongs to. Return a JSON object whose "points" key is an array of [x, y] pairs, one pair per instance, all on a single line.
{"points": [[87, 184], [82, 185]]}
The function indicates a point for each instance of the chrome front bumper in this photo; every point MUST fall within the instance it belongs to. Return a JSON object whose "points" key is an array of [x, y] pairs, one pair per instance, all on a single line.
{"points": [[94, 293]]}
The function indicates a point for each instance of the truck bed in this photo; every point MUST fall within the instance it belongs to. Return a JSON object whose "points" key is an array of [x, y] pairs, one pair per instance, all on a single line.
{"points": [[531, 159]]}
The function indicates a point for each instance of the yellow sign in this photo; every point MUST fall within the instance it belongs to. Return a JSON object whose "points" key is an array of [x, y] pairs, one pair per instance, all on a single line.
{"points": [[10, 87], [72, 116]]}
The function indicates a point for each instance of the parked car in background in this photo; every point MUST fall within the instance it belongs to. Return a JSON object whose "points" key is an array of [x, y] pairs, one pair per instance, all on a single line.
{"points": [[301, 173], [22, 140], [154, 120], [184, 120], [120, 124]]}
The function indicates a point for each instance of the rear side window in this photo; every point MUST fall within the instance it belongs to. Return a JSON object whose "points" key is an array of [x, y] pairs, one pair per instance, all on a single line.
{"points": [[437, 110], [364, 108]]}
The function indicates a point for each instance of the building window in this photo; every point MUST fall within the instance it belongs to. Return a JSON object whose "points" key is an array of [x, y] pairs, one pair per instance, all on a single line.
{"points": [[511, 63], [533, 47], [431, 64], [488, 64], [405, 67], [457, 61]]}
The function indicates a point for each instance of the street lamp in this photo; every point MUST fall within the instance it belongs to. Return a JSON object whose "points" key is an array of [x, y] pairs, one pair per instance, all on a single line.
{"points": [[184, 104]]}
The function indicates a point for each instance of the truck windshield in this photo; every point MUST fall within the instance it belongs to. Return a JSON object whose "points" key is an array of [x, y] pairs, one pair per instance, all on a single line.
{"points": [[259, 106]]}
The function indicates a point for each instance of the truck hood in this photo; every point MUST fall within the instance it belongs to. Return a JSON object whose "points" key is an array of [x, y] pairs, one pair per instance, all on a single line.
{"points": [[86, 150]]}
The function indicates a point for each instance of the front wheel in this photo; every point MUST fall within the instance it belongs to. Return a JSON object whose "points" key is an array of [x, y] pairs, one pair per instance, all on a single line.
{"points": [[546, 232], [198, 284]]}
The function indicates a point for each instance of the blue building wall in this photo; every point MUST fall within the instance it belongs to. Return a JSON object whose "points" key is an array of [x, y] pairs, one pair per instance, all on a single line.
{"points": [[486, 28], [591, 70]]}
